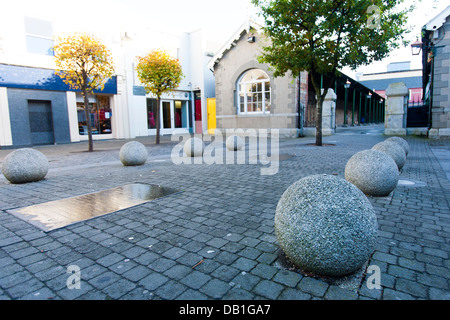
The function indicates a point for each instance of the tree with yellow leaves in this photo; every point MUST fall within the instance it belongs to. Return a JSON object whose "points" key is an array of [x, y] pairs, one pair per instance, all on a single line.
{"points": [[84, 64], [160, 74]]}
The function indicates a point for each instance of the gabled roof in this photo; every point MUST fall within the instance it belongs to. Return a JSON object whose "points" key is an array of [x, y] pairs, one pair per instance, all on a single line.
{"points": [[249, 24], [438, 21]]}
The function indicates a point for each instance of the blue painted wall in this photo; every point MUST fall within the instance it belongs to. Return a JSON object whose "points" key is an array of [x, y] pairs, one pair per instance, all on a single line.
{"points": [[19, 114], [41, 79]]}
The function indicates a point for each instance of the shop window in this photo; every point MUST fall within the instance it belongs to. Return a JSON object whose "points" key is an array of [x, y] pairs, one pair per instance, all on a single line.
{"points": [[151, 113], [100, 115], [254, 92]]}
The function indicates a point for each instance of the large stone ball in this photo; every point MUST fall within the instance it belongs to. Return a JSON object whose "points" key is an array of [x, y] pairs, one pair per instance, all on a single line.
{"points": [[374, 172], [402, 142], [25, 165], [394, 150], [194, 147], [133, 153], [234, 143], [326, 226]]}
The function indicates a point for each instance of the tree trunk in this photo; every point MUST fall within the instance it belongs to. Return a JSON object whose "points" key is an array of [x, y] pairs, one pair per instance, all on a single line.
{"points": [[88, 120], [158, 124]]}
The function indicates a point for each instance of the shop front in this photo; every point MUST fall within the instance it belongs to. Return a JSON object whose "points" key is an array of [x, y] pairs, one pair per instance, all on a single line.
{"points": [[175, 113], [100, 113], [38, 108]]}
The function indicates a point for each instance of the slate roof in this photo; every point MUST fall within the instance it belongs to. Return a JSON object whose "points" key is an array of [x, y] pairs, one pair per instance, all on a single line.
{"points": [[410, 82]]}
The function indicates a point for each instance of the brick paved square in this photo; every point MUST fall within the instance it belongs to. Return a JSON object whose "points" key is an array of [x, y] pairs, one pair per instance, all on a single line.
{"points": [[216, 239]]}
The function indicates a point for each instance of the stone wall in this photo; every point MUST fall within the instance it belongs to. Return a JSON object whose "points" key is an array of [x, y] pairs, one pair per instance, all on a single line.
{"points": [[240, 58], [441, 92]]}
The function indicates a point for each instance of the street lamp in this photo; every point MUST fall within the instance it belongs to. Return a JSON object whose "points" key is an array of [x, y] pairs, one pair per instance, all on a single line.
{"points": [[369, 115], [380, 117], [346, 86], [416, 47]]}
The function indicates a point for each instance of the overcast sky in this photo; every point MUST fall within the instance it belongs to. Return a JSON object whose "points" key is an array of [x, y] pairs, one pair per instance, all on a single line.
{"points": [[219, 19]]}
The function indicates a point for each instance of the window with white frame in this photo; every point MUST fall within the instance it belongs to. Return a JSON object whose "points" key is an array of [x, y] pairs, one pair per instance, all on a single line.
{"points": [[254, 92], [39, 36]]}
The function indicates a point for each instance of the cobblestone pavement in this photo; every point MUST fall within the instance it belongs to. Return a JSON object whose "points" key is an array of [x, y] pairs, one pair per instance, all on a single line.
{"points": [[216, 240]]}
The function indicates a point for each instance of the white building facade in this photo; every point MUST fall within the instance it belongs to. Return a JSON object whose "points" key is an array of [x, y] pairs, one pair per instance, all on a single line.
{"points": [[37, 108]]}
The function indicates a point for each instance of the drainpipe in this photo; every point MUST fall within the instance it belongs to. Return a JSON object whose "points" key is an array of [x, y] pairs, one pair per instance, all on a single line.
{"points": [[299, 106], [430, 99]]}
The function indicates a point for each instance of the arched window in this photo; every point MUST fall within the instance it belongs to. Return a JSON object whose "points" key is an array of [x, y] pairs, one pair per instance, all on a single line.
{"points": [[253, 89]]}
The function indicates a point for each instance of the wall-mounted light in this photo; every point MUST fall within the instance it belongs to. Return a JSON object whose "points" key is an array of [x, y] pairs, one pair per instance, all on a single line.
{"points": [[251, 39], [416, 47]]}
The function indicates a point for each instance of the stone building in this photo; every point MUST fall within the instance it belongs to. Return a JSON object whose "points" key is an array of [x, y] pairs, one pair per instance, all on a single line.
{"points": [[436, 72], [248, 96]]}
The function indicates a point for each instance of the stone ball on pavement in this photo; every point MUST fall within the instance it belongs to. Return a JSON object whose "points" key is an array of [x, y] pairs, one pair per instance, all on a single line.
{"points": [[394, 150], [133, 153], [326, 226], [25, 165], [402, 142], [234, 143], [374, 172], [194, 147]]}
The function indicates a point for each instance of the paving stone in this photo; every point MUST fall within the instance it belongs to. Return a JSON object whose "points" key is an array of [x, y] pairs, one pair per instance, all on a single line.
{"points": [[110, 259], [71, 294], [244, 264], [24, 288], [195, 280], [225, 273], [215, 288], [153, 281], [149, 251], [170, 290], [41, 294], [389, 294], [245, 281], [264, 271], [137, 273], [293, 294], [337, 293], [268, 289], [437, 294], [192, 295], [162, 264], [313, 286], [411, 264], [411, 287], [288, 278], [178, 272], [119, 288], [103, 280]]}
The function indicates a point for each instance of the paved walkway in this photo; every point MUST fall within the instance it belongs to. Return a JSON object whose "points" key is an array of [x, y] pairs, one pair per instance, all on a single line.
{"points": [[216, 240]]}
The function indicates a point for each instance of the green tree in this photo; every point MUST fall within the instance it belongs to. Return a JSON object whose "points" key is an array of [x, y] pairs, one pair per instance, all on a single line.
{"points": [[85, 64], [160, 74], [321, 37]]}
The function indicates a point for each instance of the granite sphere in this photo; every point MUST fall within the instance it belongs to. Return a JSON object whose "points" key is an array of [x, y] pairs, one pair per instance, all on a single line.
{"points": [[402, 142], [194, 147], [234, 143], [374, 172], [25, 165], [133, 153], [394, 150], [326, 226]]}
